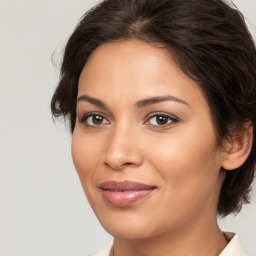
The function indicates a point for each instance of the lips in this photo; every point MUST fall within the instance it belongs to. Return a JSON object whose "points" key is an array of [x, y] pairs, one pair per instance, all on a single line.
{"points": [[124, 194]]}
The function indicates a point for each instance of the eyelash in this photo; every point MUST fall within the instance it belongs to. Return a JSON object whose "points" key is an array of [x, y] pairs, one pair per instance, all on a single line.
{"points": [[85, 118], [170, 121]]}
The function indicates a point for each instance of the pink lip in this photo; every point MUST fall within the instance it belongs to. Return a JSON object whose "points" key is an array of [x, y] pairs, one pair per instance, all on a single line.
{"points": [[126, 193]]}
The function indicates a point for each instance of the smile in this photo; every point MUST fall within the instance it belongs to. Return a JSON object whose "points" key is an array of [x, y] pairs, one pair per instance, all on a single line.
{"points": [[126, 193]]}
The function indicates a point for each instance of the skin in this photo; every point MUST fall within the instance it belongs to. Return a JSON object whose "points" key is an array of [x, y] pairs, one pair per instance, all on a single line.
{"points": [[181, 158]]}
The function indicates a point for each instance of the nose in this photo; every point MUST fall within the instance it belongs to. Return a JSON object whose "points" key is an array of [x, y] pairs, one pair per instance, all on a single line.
{"points": [[123, 149]]}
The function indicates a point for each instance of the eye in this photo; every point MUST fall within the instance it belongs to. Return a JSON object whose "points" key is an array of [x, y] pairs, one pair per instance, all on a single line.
{"points": [[94, 120], [161, 120]]}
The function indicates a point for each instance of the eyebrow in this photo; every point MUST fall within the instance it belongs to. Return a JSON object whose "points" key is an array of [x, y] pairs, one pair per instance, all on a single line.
{"points": [[157, 99], [139, 104], [91, 100]]}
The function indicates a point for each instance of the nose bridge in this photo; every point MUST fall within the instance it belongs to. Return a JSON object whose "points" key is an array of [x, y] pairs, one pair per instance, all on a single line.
{"points": [[122, 149]]}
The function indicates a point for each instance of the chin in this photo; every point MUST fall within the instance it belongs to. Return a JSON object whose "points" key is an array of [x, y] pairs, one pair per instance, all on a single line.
{"points": [[132, 227], [126, 226], [128, 233]]}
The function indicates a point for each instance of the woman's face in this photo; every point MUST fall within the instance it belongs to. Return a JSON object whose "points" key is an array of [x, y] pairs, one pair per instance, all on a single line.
{"points": [[144, 144]]}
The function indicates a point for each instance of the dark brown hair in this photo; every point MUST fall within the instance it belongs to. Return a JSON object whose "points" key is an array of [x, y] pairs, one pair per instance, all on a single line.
{"points": [[210, 43]]}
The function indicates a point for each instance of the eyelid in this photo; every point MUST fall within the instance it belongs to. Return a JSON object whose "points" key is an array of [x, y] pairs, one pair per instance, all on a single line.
{"points": [[89, 114], [174, 119]]}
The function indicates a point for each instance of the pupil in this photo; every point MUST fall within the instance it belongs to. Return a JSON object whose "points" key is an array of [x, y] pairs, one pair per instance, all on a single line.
{"points": [[97, 119], [161, 120]]}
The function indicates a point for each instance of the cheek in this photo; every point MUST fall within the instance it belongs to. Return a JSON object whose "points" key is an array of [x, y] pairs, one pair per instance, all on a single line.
{"points": [[85, 153], [85, 159], [189, 175], [79, 154], [188, 167]]}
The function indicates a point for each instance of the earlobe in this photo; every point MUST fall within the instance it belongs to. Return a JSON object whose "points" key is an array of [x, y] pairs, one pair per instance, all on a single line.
{"points": [[237, 150]]}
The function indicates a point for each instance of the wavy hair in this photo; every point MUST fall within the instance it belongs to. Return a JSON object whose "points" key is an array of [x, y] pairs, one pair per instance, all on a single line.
{"points": [[210, 43]]}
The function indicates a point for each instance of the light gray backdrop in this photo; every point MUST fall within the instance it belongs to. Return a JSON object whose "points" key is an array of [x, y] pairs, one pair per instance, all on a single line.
{"points": [[43, 210]]}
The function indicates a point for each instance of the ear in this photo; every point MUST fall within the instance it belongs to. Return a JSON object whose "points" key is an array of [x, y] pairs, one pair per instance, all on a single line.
{"points": [[237, 149]]}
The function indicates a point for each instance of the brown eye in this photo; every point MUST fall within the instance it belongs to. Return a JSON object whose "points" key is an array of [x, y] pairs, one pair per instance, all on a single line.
{"points": [[160, 120], [94, 120]]}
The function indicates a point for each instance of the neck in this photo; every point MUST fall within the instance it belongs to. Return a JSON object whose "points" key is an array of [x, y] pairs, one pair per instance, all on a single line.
{"points": [[195, 240]]}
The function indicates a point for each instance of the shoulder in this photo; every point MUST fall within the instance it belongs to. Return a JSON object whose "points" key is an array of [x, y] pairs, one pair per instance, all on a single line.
{"points": [[103, 252], [234, 247]]}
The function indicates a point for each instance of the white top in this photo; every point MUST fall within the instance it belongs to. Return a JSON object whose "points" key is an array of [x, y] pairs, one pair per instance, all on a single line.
{"points": [[233, 248]]}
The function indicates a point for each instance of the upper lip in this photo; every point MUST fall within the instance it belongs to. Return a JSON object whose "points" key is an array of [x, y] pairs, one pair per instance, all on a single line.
{"points": [[125, 186]]}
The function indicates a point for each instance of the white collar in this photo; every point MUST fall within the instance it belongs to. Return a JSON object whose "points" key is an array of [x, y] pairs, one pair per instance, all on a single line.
{"points": [[234, 247]]}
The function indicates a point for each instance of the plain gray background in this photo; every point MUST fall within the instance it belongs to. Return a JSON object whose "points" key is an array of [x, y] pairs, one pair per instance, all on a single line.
{"points": [[43, 210]]}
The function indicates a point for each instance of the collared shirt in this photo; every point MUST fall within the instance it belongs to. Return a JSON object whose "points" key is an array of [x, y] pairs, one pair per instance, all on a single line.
{"points": [[233, 248]]}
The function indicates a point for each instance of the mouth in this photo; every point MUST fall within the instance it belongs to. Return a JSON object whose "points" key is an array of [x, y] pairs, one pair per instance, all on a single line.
{"points": [[124, 194]]}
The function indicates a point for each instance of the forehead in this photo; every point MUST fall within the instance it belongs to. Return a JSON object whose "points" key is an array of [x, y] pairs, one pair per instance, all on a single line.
{"points": [[135, 69], [133, 55]]}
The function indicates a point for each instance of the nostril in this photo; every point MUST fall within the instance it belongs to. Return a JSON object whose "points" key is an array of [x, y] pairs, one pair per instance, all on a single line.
{"points": [[127, 164], [116, 166]]}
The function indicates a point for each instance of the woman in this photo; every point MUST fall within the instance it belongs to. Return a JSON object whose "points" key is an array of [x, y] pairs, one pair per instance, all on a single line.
{"points": [[161, 98]]}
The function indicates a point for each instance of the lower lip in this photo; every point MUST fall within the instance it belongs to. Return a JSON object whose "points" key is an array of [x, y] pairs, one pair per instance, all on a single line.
{"points": [[124, 198]]}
